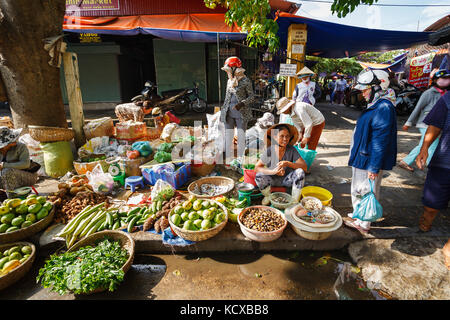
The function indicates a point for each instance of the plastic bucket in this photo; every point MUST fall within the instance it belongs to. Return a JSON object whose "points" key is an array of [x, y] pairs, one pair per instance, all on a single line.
{"points": [[322, 194], [307, 155]]}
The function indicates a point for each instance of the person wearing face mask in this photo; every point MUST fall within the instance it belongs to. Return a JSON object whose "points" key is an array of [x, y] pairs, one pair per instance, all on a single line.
{"points": [[374, 142], [304, 91], [235, 112], [439, 86]]}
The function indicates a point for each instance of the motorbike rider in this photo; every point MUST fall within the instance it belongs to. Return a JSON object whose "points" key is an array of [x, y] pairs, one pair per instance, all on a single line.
{"points": [[235, 112], [439, 86]]}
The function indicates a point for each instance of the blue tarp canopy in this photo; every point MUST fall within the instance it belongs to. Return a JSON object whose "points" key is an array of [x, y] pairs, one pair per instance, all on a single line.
{"points": [[333, 40]]}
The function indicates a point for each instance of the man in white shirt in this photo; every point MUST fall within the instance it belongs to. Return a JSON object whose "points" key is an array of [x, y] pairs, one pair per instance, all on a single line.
{"points": [[339, 89]]}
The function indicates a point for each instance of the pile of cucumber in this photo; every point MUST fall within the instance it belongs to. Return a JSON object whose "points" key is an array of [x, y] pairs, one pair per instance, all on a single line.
{"points": [[97, 218]]}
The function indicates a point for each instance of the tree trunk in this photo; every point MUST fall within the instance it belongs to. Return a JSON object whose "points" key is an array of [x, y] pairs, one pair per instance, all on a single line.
{"points": [[32, 85]]}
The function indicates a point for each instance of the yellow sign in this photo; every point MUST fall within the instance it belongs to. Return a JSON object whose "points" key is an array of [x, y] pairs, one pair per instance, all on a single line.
{"points": [[90, 37], [298, 35]]}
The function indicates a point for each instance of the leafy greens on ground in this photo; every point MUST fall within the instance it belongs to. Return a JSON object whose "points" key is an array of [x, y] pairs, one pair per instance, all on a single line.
{"points": [[86, 269]]}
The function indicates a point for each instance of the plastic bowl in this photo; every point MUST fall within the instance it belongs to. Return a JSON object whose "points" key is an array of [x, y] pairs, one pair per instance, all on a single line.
{"points": [[260, 236], [314, 199], [317, 192], [280, 205]]}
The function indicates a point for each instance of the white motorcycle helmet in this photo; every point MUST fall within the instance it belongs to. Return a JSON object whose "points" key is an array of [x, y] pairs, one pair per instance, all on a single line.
{"points": [[375, 79], [370, 78]]}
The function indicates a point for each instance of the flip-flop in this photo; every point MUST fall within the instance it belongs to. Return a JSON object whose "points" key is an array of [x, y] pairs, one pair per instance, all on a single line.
{"points": [[405, 166], [424, 226], [351, 223]]}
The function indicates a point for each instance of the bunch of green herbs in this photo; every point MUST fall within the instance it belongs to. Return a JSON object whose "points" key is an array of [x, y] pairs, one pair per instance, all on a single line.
{"points": [[86, 269]]}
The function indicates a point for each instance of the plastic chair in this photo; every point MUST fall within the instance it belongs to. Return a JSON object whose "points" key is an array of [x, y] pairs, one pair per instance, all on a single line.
{"points": [[133, 182]]}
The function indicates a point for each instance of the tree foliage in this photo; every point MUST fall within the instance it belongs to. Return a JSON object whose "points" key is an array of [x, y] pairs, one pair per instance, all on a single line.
{"points": [[379, 57], [252, 17], [347, 66], [344, 7]]}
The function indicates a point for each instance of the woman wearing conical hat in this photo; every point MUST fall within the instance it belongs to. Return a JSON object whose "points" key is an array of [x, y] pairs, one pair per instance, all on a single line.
{"points": [[304, 91]]}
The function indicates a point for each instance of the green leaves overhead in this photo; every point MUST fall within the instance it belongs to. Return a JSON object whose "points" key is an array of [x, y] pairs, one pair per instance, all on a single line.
{"points": [[251, 17], [347, 66], [344, 7]]}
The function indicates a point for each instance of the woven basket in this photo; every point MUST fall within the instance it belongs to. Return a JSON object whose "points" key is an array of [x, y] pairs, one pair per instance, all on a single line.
{"points": [[200, 235], [201, 170], [17, 273], [28, 231], [50, 134], [218, 181], [125, 240]]}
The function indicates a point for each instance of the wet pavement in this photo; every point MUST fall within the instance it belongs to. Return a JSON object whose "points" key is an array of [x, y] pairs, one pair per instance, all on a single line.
{"points": [[298, 275]]}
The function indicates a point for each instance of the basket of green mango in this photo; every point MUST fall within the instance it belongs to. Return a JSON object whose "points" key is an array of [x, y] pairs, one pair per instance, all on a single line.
{"points": [[16, 260], [20, 219], [198, 219]]}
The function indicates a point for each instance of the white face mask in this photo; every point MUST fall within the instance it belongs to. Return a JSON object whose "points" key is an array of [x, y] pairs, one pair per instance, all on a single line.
{"points": [[443, 82], [306, 79]]}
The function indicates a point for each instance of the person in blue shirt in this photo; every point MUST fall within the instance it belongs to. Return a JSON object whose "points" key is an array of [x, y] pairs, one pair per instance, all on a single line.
{"points": [[436, 190], [374, 143]]}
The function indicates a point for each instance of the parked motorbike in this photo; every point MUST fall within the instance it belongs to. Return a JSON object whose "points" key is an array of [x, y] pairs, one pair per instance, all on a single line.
{"points": [[407, 99], [166, 102], [354, 97], [187, 99]]}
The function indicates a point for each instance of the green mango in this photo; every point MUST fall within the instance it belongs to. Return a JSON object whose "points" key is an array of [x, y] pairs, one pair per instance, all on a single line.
{"points": [[176, 219], [7, 218], [206, 204], [26, 250], [3, 261], [198, 223], [42, 214], [34, 208], [13, 249], [187, 225], [185, 216], [17, 221], [30, 217], [4, 210], [206, 224], [41, 199], [193, 216], [48, 206], [3, 227], [26, 224], [15, 256], [12, 229], [197, 205], [23, 208]]}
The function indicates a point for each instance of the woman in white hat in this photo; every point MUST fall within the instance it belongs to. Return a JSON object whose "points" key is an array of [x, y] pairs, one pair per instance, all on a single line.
{"points": [[308, 120], [16, 168]]}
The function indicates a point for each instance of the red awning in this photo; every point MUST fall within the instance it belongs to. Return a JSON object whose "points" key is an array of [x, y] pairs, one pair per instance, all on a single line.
{"points": [[186, 27]]}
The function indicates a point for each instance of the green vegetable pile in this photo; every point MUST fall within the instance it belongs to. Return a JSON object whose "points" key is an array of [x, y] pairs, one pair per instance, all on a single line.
{"points": [[166, 147], [86, 269], [162, 156]]}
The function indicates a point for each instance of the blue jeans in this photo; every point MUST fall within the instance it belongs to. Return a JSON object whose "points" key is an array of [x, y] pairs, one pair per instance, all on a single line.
{"points": [[411, 157]]}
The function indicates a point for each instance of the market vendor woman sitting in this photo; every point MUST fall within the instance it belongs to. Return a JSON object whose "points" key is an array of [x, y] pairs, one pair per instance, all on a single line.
{"points": [[287, 172], [16, 168]]}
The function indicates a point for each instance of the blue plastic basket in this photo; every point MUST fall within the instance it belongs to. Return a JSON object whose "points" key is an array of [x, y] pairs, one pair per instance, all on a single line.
{"points": [[307, 155]]}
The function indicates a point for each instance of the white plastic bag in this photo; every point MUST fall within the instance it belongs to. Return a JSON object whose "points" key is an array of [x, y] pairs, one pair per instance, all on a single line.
{"points": [[216, 130], [35, 151], [101, 182], [162, 190]]}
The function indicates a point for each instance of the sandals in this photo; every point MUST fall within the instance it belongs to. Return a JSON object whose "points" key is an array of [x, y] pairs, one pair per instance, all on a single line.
{"points": [[405, 166], [424, 225], [349, 222]]}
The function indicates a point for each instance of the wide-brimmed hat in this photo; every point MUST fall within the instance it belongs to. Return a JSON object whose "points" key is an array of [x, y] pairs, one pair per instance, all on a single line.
{"points": [[267, 120], [283, 104], [292, 130], [8, 136], [305, 72]]}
